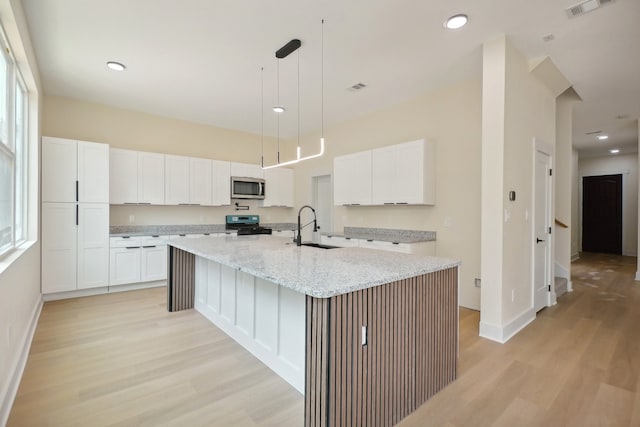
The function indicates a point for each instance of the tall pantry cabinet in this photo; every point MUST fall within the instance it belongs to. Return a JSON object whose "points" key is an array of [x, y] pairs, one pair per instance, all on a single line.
{"points": [[75, 215]]}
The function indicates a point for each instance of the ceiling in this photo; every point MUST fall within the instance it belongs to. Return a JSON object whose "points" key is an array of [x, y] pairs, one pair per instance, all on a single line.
{"points": [[201, 60]]}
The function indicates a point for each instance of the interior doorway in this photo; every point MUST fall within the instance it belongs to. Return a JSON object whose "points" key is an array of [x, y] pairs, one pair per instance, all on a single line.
{"points": [[323, 204], [542, 231], [602, 214]]}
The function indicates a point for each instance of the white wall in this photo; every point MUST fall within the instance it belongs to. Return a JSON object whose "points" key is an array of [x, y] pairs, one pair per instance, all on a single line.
{"points": [[627, 165], [563, 182], [452, 118], [20, 298], [517, 108]]}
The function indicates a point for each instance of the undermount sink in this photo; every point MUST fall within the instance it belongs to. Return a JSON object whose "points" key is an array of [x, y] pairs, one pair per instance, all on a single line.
{"points": [[319, 245]]}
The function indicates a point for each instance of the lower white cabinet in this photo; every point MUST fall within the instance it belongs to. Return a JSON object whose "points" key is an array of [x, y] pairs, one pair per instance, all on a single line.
{"points": [[418, 248], [75, 246], [137, 259]]}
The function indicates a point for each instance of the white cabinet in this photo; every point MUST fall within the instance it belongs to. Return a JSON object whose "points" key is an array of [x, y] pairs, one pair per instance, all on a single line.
{"points": [[278, 187], [176, 180], [150, 178], [343, 242], [188, 181], [221, 183], [75, 215], [75, 246], [404, 174], [136, 177], [123, 176], [200, 181], [74, 171], [418, 248], [246, 170], [137, 259], [352, 179]]}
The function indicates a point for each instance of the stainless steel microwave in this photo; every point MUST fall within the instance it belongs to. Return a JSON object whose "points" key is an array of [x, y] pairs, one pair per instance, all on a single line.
{"points": [[247, 188]]}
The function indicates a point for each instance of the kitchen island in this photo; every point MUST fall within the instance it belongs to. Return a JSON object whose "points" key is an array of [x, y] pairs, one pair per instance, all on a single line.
{"points": [[366, 335]]}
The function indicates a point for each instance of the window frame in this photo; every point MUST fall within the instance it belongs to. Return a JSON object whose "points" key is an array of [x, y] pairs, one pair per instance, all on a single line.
{"points": [[16, 149]]}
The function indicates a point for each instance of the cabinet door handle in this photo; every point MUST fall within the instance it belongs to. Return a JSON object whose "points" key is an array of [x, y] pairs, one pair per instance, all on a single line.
{"points": [[402, 203], [395, 243], [77, 216], [77, 191], [144, 247], [388, 203], [132, 247], [130, 203]]}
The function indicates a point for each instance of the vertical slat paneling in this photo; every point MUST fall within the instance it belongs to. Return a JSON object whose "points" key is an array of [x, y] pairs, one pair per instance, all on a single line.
{"points": [[181, 286], [411, 351]]}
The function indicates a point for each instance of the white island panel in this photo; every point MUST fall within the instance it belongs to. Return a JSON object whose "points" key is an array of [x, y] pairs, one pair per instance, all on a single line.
{"points": [[265, 318]]}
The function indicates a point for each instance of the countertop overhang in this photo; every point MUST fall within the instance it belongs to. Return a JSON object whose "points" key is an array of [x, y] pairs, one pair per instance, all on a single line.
{"points": [[321, 273]]}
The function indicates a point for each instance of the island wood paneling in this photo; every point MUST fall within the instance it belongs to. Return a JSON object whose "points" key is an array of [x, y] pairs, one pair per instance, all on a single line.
{"points": [[181, 279], [410, 354]]}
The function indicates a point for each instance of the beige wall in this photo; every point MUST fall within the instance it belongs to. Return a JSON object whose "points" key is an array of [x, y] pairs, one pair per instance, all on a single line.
{"points": [[75, 119], [517, 108], [452, 118], [627, 166], [20, 298]]}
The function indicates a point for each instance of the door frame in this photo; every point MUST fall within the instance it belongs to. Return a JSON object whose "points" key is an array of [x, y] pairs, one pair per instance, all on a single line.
{"points": [[314, 198], [542, 147]]}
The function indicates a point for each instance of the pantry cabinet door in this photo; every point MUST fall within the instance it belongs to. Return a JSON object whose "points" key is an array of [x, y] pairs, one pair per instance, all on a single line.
{"points": [[59, 170]]}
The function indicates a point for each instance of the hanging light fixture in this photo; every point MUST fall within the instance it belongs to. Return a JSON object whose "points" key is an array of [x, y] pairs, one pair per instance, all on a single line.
{"points": [[281, 53]]}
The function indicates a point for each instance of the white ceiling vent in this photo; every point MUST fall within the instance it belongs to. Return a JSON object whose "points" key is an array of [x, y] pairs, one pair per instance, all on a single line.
{"points": [[585, 7]]}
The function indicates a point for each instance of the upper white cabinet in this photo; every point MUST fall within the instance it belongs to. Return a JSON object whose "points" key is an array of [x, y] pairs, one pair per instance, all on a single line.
{"points": [[150, 178], [188, 181], [246, 170], [221, 183], [278, 187], [404, 174], [74, 171], [136, 177], [352, 179], [200, 181], [176, 180]]}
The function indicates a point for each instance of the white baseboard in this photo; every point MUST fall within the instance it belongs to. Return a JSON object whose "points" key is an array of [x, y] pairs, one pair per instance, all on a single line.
{"points": [[569, 286], [561, 271], [18, 369], [575, 257], [103, 290], [637, 275], [502, 334]]}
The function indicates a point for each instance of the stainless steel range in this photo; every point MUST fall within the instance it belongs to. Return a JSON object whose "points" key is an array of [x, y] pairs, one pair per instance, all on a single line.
{"points": [[246, 224]]}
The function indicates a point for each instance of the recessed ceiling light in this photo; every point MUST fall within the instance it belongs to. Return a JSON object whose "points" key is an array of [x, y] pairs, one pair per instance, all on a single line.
{"points": [[456, 21], [116, 66], [278, 109], [603, 137], [614, 151]]}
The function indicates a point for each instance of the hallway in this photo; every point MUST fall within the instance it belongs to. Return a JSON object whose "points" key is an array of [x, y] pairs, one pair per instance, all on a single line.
{"points": [[577, 364]]}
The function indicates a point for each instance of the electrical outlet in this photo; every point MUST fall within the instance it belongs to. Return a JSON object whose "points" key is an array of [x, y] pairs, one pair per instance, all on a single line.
{"points": [[132, 219], [477, 282], [513, 295]]}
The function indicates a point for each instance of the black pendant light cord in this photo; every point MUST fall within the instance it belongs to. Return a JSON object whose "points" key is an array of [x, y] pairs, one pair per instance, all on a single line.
{"points": [[322, 78], [262, 116]]}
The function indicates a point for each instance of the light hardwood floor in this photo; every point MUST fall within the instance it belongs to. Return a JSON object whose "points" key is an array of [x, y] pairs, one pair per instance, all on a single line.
{"points": [[122, 360]]}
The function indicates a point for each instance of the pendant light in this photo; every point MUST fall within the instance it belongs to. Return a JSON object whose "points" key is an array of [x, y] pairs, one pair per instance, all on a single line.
{"points": [[281, 53]]}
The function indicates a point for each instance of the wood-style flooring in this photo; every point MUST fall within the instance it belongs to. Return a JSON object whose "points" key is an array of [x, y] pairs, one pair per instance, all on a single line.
{"points": [[123, 360]]}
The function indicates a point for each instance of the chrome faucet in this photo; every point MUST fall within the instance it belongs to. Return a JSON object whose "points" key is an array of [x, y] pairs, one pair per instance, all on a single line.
{"points": [[300, 227]]}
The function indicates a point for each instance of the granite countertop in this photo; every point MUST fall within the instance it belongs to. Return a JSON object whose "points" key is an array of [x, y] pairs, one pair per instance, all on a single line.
{"points": [[165, 230], [386, 234], [317, 272]]}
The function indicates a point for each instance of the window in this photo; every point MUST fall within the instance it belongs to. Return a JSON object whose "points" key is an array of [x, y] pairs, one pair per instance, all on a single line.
{"points": [[13, 152]]}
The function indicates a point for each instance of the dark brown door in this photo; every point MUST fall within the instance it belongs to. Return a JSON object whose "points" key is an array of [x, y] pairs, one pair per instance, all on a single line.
{"points": [[602, 214]]}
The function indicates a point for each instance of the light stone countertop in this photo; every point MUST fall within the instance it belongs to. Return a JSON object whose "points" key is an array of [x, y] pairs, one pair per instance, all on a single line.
{"points": [[321, 273], [165, 230], [385, 234]]}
